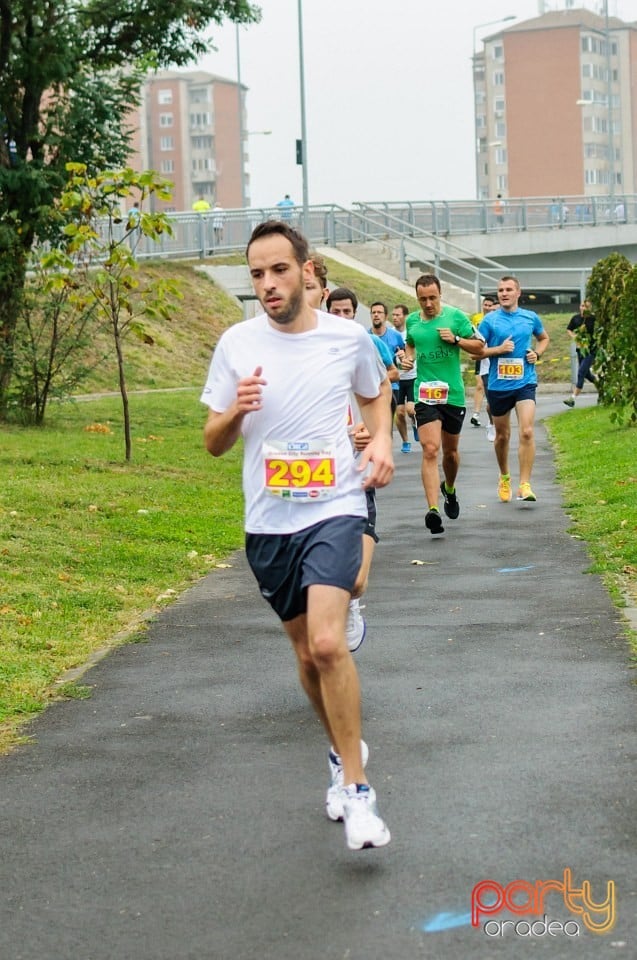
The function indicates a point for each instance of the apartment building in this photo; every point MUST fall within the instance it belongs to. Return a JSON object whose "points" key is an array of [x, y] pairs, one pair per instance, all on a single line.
{"points": [[190, 127], [556, 107]]}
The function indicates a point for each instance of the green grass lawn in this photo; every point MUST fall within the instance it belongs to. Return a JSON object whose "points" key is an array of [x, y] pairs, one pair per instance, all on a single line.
{"points": [[597, 468], [89, 543]]}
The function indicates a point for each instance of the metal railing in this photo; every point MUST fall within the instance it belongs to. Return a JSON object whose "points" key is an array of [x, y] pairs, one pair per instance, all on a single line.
{"points": [[195, 235], [411, 232], [457, 217]]}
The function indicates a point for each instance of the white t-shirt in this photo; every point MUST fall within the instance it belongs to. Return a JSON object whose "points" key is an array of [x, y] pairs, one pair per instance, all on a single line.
{"points": [[305, 407]]}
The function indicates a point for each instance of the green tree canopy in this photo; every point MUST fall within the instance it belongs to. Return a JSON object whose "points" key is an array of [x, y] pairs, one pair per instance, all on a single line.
{"points": [[70, 71]]}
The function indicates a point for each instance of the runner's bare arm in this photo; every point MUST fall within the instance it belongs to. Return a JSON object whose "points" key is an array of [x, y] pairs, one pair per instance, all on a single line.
{"points": [[360, 434], [542, 338], [222, 429], [376, 412]]}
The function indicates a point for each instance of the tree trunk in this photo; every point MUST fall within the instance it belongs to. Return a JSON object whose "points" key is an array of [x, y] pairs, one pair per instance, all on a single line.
{"points": [[12, 281], [123, 391]]}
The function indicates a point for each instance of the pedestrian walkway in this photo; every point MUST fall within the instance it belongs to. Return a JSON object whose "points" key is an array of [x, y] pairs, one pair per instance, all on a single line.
{"points": [[178, 813]]}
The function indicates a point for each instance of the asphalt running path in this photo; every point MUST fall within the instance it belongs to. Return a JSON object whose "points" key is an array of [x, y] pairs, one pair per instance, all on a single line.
{"points": [[178, 813]]}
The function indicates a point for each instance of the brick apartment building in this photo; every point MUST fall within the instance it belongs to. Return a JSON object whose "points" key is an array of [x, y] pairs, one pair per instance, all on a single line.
{"points": [[190, 127], [556, 107]]}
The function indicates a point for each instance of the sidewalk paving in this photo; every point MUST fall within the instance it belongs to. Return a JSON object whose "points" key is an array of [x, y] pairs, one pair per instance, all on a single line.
{"points": [[178, 813]]}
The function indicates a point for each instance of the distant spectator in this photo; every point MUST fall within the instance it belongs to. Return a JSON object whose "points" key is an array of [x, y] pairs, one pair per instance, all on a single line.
{"points": [[581, 330], [134, 215], [200, 205], [286, 206], [218, 218], [498, 210]]}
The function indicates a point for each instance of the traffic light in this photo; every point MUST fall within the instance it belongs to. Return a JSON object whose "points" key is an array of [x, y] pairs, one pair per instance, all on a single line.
{"points": [[299, 152]]}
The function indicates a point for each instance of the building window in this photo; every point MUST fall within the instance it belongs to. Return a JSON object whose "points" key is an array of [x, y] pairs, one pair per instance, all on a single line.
{"points": [[200, 95], [501, 155], [166, 143], [500, 129], [164, 96], [502, 182], [498, 78], [200, 120], [165, 119], [498, 105], [202, 163], [498, 51], [206, 188], [167, 166], [202, 143]]}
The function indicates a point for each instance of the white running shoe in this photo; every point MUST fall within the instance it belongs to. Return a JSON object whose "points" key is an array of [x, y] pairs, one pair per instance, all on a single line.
{"points": [[334, 798], [363, 825], [356, 627], [491, 432]]}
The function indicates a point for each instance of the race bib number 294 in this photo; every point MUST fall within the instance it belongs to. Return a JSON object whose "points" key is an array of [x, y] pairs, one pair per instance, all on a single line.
{"points": [[302, 472]]}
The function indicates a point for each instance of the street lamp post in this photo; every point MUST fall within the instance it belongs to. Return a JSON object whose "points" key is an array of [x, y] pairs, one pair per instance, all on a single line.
{"points": [[609, 96], [479, 26], [242, 136], [303, 123]]}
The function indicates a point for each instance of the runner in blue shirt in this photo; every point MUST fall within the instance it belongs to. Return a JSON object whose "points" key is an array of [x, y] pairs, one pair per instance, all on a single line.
{"points": [[509, 333]]}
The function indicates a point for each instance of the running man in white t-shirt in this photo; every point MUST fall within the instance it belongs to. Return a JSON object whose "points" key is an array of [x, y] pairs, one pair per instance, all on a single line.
{"points": [[282, 382]]}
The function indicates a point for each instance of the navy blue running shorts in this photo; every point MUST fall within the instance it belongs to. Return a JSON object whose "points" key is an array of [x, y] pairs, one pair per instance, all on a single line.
{"points": [[502, 402], [285, 565]]}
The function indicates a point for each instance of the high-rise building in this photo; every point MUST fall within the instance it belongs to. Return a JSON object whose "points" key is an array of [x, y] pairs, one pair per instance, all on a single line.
{"points": [[556, 107], [190, 127]]}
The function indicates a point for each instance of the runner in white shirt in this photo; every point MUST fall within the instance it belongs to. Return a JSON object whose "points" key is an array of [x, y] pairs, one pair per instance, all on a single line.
{"points": [[282, 382]]}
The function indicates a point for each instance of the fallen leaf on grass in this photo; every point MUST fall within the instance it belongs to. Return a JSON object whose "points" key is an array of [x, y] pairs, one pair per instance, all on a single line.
{"points": [[166, 595], [97, 428], [223, 566]]}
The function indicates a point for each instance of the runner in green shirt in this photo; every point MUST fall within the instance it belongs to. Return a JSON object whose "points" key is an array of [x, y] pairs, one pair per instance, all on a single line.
{"points": [[435, 336]]}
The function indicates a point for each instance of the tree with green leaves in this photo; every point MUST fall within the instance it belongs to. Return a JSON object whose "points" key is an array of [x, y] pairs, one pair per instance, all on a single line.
{"points": [[98, 264], [612, 290], [70, 71]]}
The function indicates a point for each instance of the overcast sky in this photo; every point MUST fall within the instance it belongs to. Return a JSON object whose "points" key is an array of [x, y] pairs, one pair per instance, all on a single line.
{"points": [[388, 92]]}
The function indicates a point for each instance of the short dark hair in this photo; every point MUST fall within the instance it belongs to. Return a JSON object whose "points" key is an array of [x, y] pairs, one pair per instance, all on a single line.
{"points": [[342, 293], [378, 303], [509, 276], [426, 280], [270, 228], [403, 309]]}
